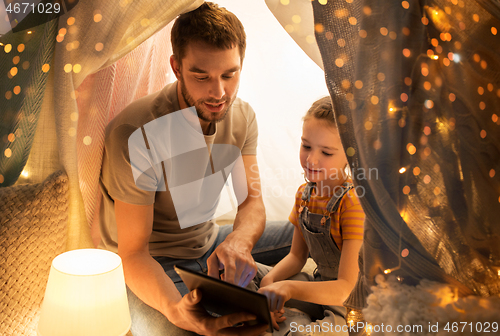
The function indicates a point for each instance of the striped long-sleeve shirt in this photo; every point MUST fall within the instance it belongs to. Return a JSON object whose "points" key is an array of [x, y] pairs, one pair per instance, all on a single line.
{"points": [[347, 221]]}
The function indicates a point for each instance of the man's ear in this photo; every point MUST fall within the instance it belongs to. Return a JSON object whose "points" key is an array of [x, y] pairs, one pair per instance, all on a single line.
{"points": [[176, 66]]}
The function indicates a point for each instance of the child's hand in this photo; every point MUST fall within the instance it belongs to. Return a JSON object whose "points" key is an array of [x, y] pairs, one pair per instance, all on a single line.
{"points": [[277, 317], [277, 294]]}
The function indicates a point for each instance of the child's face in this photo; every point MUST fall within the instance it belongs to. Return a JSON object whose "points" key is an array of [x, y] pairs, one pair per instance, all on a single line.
{"points": [[321, 153]]}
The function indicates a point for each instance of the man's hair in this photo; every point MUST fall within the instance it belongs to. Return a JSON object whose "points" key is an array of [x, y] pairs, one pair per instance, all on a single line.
{"points": [[211, 24], [322, 109]]}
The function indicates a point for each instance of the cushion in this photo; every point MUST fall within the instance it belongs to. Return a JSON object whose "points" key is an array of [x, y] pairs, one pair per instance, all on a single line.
{"points": [[33, 220]]}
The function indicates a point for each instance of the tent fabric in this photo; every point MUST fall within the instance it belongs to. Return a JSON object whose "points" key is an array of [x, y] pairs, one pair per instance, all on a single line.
{"points": [[90, 37], [22, 65], [104, 94], [302, 28], [415, 87]]}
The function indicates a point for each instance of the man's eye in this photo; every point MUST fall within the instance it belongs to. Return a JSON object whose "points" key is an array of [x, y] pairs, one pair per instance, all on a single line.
{"points": [[228, 76], [201, 78]]}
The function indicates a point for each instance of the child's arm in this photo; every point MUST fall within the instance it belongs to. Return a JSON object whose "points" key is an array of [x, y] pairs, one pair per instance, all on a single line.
{"points": [[333, 292], [291, 264]]}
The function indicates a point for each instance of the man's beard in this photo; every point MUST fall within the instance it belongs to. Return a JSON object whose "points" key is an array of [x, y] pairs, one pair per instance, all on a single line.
{"points": [[206, 116]]}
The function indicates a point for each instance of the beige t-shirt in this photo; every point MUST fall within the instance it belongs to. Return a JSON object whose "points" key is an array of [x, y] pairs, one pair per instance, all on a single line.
{"points": [[144, 124]]}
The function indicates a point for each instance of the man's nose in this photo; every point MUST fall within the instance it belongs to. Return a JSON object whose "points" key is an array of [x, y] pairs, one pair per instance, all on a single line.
{"points": [[216, 89]]}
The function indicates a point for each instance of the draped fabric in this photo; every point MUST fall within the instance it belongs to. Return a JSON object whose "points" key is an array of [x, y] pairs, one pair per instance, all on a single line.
{"points": [[104, 94], [24, 63], [297, 19], [415, 87], [90, 37]]}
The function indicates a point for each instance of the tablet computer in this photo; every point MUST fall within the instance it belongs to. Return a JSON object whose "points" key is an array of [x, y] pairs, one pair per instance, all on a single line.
{"points": [[223, 298]]}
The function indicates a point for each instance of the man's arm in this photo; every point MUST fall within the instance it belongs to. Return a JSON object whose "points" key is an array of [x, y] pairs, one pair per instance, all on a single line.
{"points": [[144, 276], [234, 254], [147, 279]]}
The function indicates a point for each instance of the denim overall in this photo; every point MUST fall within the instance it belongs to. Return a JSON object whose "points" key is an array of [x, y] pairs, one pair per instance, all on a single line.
{"points": [[315, 229], [316, 232]]}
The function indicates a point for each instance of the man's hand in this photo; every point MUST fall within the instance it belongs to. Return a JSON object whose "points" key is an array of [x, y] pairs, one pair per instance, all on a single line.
{"points": [[234, 256], [188, 314], [277, 294]]}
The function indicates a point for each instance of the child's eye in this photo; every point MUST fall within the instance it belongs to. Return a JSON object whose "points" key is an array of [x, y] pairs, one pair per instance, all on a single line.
{"points": [[327, 154], [306, 147]]}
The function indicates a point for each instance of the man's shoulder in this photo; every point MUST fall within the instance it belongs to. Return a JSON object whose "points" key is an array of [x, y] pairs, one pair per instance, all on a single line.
{"points": [[243, 109], [143, 110]]}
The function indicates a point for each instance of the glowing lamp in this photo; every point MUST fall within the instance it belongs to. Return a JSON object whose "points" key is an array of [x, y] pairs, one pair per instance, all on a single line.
{"points": [[85, 295]]}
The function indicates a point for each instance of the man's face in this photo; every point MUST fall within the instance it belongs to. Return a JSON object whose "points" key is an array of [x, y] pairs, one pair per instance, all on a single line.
{"points": [[209, 78]]}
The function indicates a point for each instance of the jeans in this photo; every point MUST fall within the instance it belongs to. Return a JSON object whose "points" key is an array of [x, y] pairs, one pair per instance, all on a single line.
{"points": [[272, 246]]}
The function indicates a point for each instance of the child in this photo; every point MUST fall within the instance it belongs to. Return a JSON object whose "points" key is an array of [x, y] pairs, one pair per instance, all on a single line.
{"points": [[328, 221]]}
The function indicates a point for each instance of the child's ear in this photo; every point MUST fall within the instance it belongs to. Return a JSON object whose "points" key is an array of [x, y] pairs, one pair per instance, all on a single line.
{"points": [[347, 170]]}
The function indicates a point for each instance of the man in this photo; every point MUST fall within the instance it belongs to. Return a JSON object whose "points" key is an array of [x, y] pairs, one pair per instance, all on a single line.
{"points": [[141, 217]]}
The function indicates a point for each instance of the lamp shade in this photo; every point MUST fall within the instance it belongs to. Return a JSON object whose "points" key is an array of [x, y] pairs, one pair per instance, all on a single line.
{"points": [[85, 295]]}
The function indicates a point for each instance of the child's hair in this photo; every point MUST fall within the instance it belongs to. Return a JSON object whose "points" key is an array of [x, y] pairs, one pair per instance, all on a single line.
{"points": [[322, 109]]}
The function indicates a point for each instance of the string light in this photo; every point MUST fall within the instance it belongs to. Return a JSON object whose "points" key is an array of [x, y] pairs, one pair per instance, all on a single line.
{"points": [[405, 252], [393, 107], [439, 18]]}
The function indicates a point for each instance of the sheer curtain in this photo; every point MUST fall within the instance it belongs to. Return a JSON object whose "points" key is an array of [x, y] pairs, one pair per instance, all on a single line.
{"points": [[86, 82], [90, 37], [102, 95], [416, 86]]}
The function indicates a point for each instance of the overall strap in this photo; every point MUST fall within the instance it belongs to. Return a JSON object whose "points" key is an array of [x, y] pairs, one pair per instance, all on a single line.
{"points": [[306, 194], [334, 202]]}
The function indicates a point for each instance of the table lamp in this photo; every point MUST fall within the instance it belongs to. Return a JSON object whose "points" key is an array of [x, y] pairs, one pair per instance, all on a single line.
{"points": [[85, 296]]}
